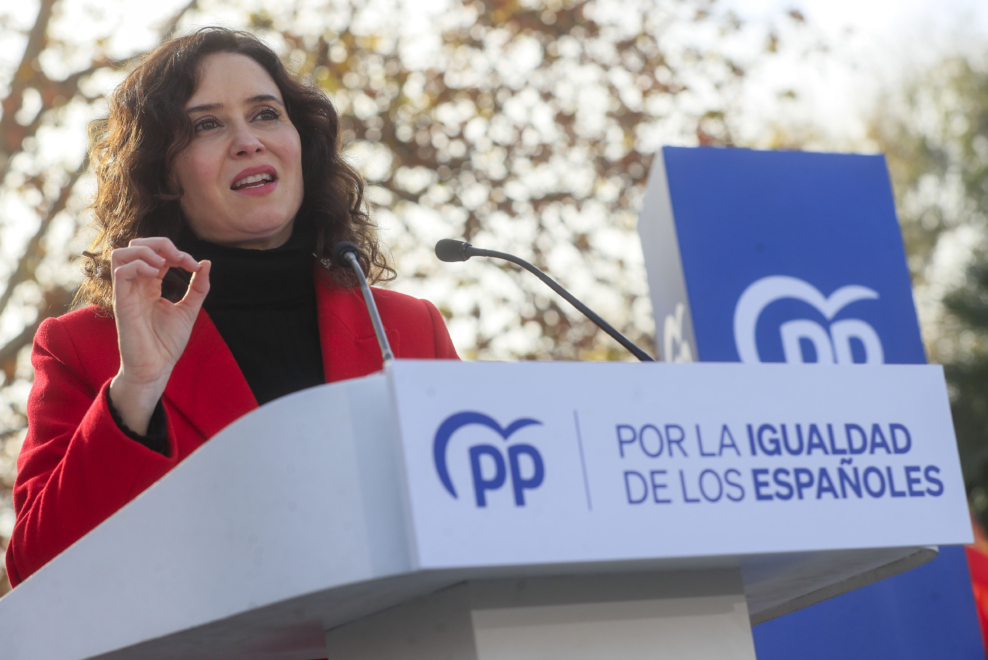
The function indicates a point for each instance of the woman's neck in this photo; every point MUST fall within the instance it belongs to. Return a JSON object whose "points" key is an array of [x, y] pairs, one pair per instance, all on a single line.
{"points": [[242, 277]]}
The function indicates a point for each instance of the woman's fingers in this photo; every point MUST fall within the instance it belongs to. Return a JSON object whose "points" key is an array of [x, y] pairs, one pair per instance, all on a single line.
{"points": [[151, 258], [198, 287], [133, 270], [159, 252], [166, 249], [148, 258], [142, 254]]}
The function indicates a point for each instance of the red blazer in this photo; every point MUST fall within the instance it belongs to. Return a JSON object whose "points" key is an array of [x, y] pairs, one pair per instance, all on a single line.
{"points": [[76, 467]]}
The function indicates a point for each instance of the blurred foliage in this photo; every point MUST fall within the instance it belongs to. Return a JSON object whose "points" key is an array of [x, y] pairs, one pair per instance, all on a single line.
{"points": [[520, 125], [528, 129], [935, 134], [968, 379]]}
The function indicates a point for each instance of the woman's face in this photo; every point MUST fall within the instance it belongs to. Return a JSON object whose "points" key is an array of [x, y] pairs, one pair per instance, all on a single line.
{"points": [[241, 176]]}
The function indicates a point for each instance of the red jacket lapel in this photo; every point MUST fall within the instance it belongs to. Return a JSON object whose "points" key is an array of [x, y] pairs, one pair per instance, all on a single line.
{"points": [[349, 346], [206, 385]]}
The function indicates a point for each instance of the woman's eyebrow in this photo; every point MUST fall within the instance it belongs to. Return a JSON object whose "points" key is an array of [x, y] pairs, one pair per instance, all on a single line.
{"points": [[264, 97], [206, 107]]}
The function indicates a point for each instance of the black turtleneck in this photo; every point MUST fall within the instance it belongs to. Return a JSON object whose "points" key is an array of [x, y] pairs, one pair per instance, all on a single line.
{"points": [[263, 302]]}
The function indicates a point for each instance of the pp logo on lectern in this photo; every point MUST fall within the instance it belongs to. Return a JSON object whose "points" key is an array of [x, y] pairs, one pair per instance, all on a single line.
{"points": [[832, 344], [488, 466]]}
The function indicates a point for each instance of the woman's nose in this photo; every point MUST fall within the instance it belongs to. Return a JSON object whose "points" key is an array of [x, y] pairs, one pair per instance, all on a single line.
{"points": [[245, 142]]}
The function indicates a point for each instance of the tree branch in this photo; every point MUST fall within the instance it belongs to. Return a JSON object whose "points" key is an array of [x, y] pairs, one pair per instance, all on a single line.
{"points": [[167, 30], [11, 135], [55, 302], [32, 254], [36, 41]]}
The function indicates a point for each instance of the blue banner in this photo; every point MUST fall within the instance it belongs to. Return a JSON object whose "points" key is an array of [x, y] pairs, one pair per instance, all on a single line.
{"points": [[798, 257]]}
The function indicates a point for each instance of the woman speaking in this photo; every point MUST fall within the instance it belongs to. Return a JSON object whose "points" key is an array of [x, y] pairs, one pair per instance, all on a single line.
{"points": [[213, 163]]}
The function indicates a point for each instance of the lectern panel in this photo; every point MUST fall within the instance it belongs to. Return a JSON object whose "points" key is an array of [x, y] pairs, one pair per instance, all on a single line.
{"points": [[546, 463]]}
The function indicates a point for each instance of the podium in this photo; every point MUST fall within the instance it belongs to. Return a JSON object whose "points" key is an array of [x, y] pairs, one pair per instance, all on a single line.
{"points": [[514, 510]]}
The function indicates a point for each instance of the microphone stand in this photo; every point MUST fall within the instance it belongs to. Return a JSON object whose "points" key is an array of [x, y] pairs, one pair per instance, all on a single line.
{"points": [[450, 250], [346, 252]]}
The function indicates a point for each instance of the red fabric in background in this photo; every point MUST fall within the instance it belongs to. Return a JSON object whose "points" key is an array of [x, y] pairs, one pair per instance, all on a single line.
{"points": [[76, 468], [977, 563]]}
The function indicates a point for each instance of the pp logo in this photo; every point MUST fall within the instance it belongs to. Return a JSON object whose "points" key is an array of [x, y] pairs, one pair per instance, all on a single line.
{"points": [[832, 345], [487, 462]]}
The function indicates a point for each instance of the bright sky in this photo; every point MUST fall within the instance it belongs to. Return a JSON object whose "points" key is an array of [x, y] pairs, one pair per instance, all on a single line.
{"points": [[874, 17], [874, 43]]}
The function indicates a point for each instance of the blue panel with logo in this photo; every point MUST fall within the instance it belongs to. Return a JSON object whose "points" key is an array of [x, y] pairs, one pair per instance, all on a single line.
{"points": [[798, 257], [824, 221]]}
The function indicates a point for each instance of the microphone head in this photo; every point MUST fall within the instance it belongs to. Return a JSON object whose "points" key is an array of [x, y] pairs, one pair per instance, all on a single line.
{"points": [[449, 249], [341, 249]]}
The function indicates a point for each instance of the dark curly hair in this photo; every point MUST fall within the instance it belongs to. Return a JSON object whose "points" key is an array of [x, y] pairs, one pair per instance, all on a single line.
{"points": [[132, 151]]}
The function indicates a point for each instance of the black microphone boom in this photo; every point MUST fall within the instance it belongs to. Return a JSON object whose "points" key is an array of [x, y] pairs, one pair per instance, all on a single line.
{"points": [[346, 253], [450, 250]]}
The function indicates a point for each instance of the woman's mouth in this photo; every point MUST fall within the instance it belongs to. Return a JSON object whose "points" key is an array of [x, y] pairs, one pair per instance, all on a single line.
{"points": [[259, 180], [253, 181]]}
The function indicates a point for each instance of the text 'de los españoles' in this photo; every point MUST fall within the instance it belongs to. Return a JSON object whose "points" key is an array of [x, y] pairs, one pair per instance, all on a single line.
{"points": [[771, 462]]}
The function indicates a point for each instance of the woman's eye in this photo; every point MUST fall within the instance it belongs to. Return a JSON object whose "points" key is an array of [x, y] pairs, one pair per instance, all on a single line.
{"points": [[268, 114], [205, 124]]}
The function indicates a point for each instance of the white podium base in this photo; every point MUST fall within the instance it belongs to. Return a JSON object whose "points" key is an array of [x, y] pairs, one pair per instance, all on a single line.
{"points": [[690, 615]]}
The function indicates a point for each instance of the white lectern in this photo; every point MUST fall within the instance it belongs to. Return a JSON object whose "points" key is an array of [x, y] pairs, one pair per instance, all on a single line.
{"points": [[533, 510]]}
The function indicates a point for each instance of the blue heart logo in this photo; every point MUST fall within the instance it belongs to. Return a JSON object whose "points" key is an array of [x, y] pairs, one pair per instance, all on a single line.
{"points": [[455, 422]]}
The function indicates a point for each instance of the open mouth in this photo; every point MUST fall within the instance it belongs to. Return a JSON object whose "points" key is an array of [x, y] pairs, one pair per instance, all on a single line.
{"points": [[253, 181]]}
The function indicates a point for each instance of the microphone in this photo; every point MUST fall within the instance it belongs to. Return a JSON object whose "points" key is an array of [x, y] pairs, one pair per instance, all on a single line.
{"points": [[346, 252], [451, 250]]}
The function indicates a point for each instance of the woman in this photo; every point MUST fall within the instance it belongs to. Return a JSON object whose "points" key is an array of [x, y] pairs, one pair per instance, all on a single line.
{"points": [[214, 162]]}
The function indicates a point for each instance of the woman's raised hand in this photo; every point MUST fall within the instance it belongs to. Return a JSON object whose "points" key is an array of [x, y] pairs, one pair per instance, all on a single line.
{"points": [[152, 332]]}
